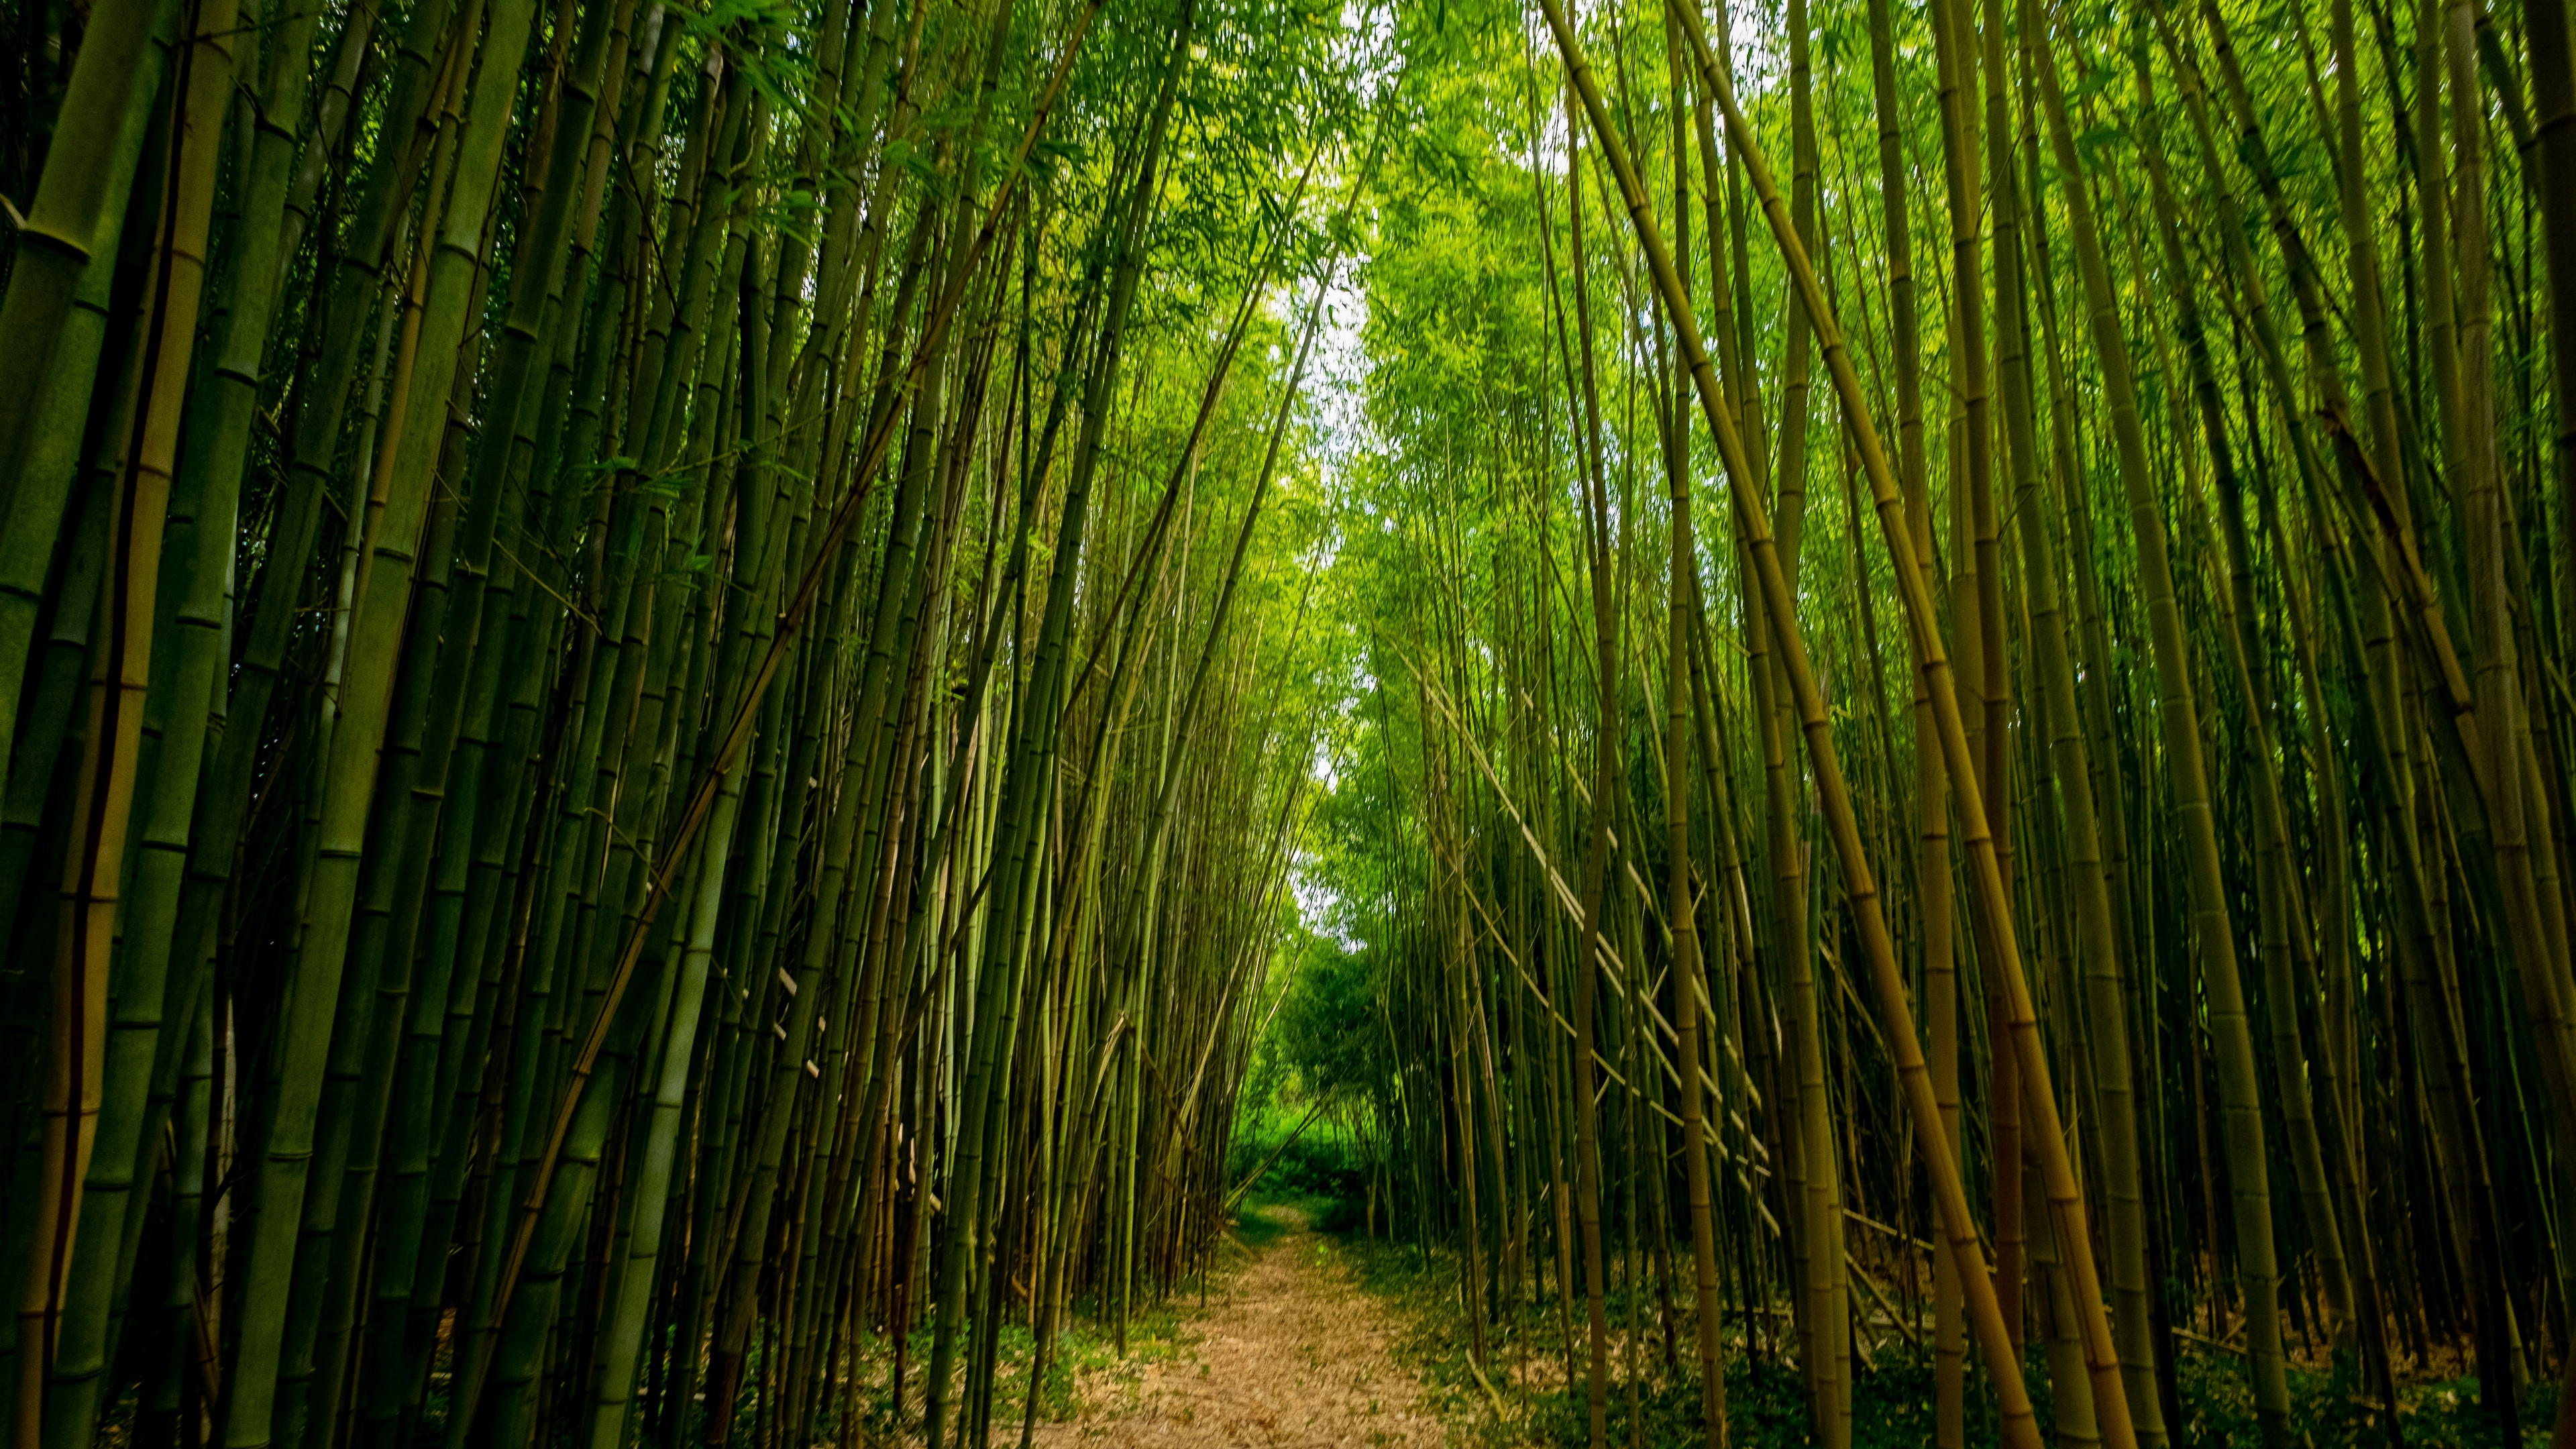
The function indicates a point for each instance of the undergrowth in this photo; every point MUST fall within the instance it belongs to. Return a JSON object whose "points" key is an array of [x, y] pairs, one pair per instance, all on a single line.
{"points": [[1892, 1393], [1087, 1343]]}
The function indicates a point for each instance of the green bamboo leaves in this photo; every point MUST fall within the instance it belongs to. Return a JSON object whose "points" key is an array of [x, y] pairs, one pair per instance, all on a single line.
{"points": [[686, 690]]}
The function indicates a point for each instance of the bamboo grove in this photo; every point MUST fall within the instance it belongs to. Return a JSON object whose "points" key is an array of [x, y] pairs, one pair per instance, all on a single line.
{"points": [[655, 699], [1960, 708], [672, 674]]}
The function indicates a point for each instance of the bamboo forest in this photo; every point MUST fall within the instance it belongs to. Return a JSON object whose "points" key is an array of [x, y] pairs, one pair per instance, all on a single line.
{"points": [[1217, 723]]}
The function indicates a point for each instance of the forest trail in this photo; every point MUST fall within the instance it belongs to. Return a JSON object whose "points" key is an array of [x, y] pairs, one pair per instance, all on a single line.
{"points": [[1287, 1352]]}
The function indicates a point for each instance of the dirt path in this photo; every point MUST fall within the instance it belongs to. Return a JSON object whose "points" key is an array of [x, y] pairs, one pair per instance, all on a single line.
{"points": [[1289, 1352]]}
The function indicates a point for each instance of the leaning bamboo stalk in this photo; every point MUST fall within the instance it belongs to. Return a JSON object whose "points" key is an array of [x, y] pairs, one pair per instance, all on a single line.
{"points": [[2065, 1194], [2019, 1426]]}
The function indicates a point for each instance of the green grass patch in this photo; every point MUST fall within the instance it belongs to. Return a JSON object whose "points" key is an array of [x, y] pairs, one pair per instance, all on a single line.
{"points": [[1264, 1218]]}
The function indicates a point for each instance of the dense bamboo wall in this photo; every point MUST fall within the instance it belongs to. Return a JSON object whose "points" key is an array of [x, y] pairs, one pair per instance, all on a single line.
{"points": [[649, 673], [2059, 862]]}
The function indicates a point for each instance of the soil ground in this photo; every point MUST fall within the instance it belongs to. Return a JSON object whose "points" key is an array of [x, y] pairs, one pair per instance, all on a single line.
{"points": [[1288, 1352]]}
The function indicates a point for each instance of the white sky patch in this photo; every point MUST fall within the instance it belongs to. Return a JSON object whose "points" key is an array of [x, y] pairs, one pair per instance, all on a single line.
{"points": [[1337, 381], [1318, 904], [1368, 44]]}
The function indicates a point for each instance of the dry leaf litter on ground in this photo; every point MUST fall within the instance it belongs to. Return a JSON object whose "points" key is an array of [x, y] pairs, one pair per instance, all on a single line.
{"points": [[1289, 1352]]}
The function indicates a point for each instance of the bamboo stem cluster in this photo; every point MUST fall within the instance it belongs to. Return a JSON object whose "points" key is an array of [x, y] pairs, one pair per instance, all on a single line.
{"points": [[653, 717], [2235, 725]]}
